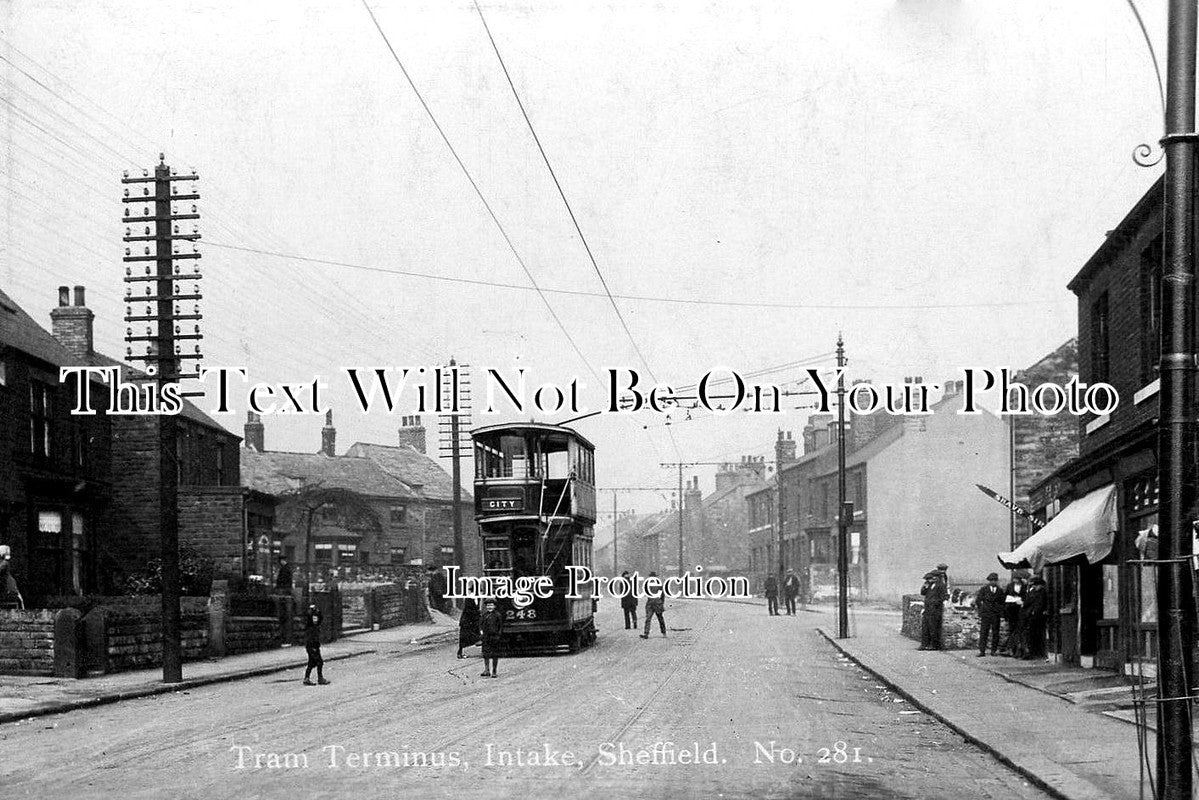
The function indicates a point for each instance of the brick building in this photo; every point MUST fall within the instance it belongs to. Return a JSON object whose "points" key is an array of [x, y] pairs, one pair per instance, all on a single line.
{"points": [[218, 517], [715, 528], [1106, 498], [375, 507], [55, 468]]}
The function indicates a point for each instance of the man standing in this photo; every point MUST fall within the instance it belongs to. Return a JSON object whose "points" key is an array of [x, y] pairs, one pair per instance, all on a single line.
{"points": [[935, 594], [771, 588], [10, 595], [990, 602], [654, 606], [791, 591], [628, 603], [283, 577], [312, 643], [1031, 644], [1012, 601], [491, 626]]}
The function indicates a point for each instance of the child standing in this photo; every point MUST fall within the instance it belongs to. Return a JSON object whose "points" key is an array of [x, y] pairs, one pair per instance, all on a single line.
{"points": [[491, 625]]}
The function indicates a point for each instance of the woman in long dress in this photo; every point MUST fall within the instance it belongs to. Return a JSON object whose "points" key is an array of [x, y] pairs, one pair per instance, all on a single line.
{"points": [[468, 625]]}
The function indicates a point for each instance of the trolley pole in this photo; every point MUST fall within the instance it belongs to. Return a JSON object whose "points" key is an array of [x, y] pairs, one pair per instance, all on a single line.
{"points": [[615, 558], [680, 520], [1176, 426], [842, 522], [163, 295]]}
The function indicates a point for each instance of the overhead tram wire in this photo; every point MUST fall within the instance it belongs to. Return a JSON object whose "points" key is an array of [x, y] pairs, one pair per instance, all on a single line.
{"points": [[116, 133], [561, 193], [634, 297], [479, 192]]}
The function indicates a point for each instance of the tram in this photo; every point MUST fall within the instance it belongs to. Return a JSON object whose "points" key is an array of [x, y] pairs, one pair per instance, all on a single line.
{"points": [[535, 505]]}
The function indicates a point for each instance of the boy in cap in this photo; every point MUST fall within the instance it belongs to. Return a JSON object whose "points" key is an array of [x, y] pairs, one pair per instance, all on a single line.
{"points": [[491, 626], [989, 601], [312, 643]]}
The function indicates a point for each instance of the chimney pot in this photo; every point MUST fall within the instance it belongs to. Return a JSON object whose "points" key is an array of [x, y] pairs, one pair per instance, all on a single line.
{"points": [[64, 296], [79, 297]]}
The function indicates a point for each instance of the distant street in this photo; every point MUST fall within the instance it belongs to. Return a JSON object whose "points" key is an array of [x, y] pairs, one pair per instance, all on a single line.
{"points": [[728, 675]]}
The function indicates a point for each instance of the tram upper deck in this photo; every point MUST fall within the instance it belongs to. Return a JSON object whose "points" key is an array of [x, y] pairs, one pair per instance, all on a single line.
{"points": [[533, 470]]}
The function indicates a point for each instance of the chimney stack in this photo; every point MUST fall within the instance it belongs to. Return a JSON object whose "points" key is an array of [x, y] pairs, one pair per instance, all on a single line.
{"points": [[329, 435], [255, 433], [72, 324], [412, 433], [784, 449]]}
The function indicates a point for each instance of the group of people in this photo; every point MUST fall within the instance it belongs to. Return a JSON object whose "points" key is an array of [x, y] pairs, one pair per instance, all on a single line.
{"points": [[790, 592], [654, 606], [485, 628], [1022, 606]]}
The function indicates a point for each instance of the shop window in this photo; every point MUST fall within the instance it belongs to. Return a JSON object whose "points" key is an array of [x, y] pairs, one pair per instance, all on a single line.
{"points": [[347, 554], [323, 553]]}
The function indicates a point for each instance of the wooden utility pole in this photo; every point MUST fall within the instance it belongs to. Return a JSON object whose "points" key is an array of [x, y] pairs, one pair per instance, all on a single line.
{"points": [[1176, 414], [455, 393], [163, 297], [842, 522]]}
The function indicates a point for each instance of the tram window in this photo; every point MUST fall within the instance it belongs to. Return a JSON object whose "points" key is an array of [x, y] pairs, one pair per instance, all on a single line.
{"points": [[515, 458], [553, 457], [496, 554]]}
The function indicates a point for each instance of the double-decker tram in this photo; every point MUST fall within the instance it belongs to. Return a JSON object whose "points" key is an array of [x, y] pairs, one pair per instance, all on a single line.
{"points": [[535, 505]]}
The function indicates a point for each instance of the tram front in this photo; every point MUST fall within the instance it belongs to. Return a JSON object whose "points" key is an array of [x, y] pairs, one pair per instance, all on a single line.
{"points": [[535, 505]]}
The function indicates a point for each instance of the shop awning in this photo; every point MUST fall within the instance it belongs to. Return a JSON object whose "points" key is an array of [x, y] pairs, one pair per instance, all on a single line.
{"points": [[1085, 527]]}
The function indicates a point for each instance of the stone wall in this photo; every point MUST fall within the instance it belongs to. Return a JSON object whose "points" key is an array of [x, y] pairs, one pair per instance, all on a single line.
{"points": [[27, 641], [134, 630], [959, 627], [251, 634]]}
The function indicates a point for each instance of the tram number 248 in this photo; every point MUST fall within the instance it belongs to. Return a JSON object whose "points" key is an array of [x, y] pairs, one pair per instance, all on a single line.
{"points": [[524, 613]]}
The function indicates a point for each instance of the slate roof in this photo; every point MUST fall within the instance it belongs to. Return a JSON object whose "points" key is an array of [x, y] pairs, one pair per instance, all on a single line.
{"points": [[275, 472], [19, 331], [421, 474]]}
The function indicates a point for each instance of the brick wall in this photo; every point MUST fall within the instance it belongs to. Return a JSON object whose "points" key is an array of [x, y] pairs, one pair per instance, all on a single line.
{"points": [[27, 642], [134, 627], [211, 520], [1117, 270]]}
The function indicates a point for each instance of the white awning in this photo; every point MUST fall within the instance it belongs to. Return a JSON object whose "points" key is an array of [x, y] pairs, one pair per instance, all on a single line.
{"points": [[1085, 527]]}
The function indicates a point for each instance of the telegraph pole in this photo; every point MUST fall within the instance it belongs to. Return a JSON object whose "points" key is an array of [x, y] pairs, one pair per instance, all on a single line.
{"points": [[455, 392], [163, 313], [842, 522], [778, 480], [1176, 425], [680, 465]]}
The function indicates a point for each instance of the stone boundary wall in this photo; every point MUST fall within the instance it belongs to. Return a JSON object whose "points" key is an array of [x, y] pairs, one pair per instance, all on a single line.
{"points": [[27, 641]]}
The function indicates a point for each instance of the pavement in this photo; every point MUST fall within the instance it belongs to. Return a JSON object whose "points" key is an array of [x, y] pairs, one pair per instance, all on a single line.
{"points": [[24, 697], [1061, 727]]}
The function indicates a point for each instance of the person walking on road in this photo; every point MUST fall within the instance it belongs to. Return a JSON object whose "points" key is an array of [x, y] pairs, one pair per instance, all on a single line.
{"points": [[990, 602], [491, 626], [654, 606], [468, 625], [790, 591], [935, 594], [312, 643], [771, 588], [1012, 601], [628, 604]]}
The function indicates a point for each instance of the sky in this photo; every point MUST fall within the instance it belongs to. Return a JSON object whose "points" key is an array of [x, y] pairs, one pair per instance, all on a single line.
{"points": [[921, 176]]}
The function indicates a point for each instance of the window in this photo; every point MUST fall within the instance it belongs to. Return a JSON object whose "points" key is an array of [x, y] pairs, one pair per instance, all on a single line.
{"points": [[323, 553], [398, 555], [347, 554], [398, 515], [495, 553], [3, 373], [447, 550], [41, 411], [78, 442], [824, 500], [1100, 345], [1151, 309], [220, 463]]}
